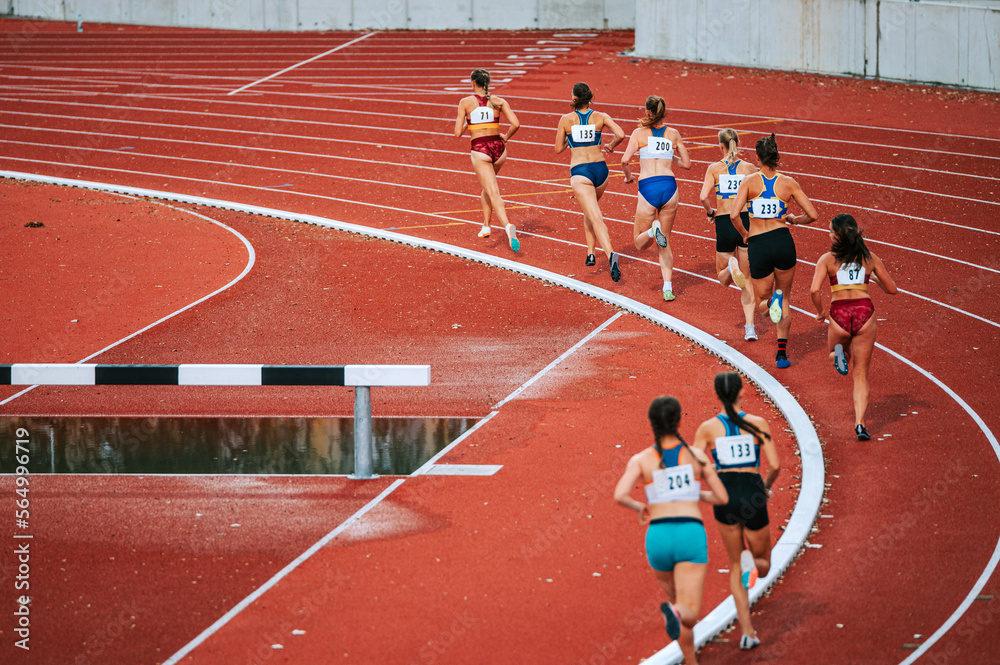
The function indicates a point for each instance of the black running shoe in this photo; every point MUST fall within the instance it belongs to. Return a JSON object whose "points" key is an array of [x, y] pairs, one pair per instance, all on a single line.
{"points": [[616, 272], [591, 260], [862, 433], [673, 620]]}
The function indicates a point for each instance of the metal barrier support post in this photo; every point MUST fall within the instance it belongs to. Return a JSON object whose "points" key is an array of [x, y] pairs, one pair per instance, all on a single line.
{"points": [[362, 433]]}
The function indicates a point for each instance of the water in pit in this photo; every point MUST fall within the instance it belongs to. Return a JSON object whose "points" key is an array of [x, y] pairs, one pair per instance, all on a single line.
{"points": [[170, 445]]}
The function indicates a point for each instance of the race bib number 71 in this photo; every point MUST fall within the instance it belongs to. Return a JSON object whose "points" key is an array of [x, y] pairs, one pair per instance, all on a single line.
{"points": [[480, 115]]}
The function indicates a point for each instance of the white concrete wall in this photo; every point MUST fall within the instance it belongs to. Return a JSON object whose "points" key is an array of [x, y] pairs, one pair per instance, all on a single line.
{"points": [[931, 42], [339, 14]]}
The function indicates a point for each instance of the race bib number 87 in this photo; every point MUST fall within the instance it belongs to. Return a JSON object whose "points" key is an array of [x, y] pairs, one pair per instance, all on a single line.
{"points": [[583, 133], [851, 273]]}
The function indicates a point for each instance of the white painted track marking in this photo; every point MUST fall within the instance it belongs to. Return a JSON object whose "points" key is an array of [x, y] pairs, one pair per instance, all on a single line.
{"points": [[304, 62], [251, 260], [281, 574]]}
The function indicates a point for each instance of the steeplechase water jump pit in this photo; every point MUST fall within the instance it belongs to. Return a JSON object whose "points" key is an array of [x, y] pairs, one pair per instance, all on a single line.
{"points": [[206, 445]]}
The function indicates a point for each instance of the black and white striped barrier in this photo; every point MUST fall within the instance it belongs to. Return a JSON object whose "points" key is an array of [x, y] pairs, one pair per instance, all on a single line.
{"points": [[360, 377]]}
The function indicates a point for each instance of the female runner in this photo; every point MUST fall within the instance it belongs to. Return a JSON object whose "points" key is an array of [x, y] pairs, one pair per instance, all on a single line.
{"points": [[770, 246], [731, 263], [658, 146], [735, 440], [676, 545], [849, 267], [481, 114], [581, 131]]}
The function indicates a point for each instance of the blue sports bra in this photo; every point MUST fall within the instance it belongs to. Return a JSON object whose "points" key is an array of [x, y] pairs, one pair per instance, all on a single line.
{"points": [[767, 205], [586, 134]]}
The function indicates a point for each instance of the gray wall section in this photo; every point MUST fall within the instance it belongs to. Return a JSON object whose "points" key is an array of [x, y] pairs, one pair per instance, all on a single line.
{"points": [[339, 14], [929, 42]]}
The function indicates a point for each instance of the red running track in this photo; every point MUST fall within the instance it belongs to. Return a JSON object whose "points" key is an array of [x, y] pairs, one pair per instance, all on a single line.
{"points": [[906, 543]]}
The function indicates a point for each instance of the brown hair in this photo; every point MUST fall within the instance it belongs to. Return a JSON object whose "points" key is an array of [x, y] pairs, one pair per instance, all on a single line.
{"points": [[655, 110], [481, 77], [581, 95], [767, 151]]}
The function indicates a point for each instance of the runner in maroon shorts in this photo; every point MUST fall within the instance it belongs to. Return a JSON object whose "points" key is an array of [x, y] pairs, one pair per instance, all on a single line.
{"points": [[849, 268], [480, 113]]}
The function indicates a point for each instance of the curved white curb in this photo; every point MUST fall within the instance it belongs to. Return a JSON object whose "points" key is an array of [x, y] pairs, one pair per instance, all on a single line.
{"points": [[811, 493]]}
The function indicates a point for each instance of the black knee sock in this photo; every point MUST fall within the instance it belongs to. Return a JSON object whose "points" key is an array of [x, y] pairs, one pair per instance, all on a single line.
{"points": [[783, 346]]}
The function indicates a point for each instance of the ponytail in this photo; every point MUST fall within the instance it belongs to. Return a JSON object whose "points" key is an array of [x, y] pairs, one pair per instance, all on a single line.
{"points": [[849, 243], [730, 140], [581, 96], [481, 77], [656, 109], [664, 417], [727, 388]]}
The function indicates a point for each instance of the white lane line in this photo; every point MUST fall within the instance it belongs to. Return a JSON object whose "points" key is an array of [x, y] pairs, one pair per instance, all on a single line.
{"points": [[263, 588], [251, 260], [416, 166], [552, 365], [389, 183], [447, 449], [811, 455], [991, 565], [14, 174], [304, 62]]}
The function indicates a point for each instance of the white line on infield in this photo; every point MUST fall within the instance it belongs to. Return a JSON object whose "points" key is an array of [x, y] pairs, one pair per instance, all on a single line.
{"points": [[304, 62], [259, 591], [251, 260], [807, 504]]}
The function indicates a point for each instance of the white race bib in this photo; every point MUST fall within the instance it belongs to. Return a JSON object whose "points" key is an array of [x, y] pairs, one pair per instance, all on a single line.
{"points": [[660, 146], [730, 184], [851, 273], [481, 114], [766, 208], [674, 484], [583, 133], [736, 450]]}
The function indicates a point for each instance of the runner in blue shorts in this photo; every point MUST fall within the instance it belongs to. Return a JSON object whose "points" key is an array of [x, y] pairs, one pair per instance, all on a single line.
{"points": [[658, 147], [770, 246], [676, 545], [580, 130]]}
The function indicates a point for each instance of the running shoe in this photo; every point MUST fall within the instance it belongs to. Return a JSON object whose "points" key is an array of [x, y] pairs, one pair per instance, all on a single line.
{"points": [[485, 232], [668, 295], [673, 620], [840, 359], [515, 244], [661, 239], [862, 433], [774, 309], [749, 333], [782, 361], [591, 260], [616, 272], [747, 642], [734, 269], [748, 569]]}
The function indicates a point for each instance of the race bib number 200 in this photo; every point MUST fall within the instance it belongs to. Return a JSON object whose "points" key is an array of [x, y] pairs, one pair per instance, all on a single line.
{"points": [[660, 145]]}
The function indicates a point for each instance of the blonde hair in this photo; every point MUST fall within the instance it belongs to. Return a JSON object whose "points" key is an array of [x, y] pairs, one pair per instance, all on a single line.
{"points": [[729, 139], [655, 110]]}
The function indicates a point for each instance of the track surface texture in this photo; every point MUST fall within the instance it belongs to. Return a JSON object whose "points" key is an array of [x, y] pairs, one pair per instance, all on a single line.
{"points": [[536, 563]]}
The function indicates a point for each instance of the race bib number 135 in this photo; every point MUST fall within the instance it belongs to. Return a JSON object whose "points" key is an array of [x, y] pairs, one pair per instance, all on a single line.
{"points": [[583, 133]]}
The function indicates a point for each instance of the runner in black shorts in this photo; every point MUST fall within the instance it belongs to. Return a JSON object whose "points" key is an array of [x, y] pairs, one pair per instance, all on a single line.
{"points": [[735, 441], [770, 245], [722, 181]]}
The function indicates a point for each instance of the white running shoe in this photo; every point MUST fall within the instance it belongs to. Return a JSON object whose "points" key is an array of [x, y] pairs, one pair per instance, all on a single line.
{"points": [[511, 230], [747, 642], [734, 269], [748, 569], [749, 333], [484, 232]]}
